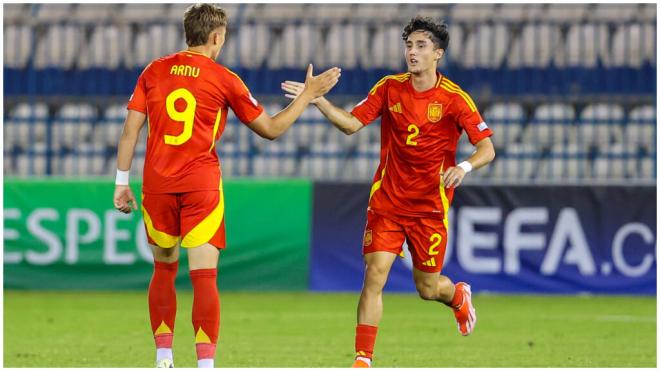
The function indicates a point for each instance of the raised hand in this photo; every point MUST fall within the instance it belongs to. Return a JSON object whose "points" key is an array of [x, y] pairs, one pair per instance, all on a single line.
{"points": [[317, 86], [294, 89], [124, 200]]}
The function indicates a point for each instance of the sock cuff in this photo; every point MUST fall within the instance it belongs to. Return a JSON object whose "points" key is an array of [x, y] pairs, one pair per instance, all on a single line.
{"points": [[366, 329], [172, 267], [199, 273]]}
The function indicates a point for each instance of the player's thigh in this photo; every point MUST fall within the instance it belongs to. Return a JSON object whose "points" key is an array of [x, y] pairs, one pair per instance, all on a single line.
{"points": [[161, 219], [165, 255], [427, 242], [203, 257], [203, 219]]}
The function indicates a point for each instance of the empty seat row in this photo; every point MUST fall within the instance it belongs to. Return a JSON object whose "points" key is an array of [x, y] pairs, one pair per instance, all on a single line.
{"points": [[347, 45], [291, 12]]}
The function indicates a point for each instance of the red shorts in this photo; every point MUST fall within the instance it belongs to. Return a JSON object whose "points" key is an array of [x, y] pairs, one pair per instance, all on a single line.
{"points": [[195, 218], [426, 237]]}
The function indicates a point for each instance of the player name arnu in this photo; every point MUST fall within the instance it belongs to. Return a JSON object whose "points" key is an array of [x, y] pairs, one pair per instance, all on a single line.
{"points": [[184, 70]]}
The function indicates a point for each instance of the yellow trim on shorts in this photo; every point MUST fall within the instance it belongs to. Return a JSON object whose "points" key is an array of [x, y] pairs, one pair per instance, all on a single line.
{"points": [[161, 239], [204, 231]]}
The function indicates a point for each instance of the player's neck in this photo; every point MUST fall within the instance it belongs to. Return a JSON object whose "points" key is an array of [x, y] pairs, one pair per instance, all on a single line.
{"points": [[202, 49], [424, 80]]}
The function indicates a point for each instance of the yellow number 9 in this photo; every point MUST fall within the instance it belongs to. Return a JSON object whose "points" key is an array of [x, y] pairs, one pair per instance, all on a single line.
{"points": [[186, 116]]}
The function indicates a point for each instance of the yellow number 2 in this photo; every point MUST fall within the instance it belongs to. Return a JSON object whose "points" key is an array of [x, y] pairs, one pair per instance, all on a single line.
{"points": [[436, 238], [186, 116], [414, 132]]}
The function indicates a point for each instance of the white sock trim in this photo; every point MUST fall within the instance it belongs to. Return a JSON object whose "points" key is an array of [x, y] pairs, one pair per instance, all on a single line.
{"points": [[164, 353], [205, 363]]}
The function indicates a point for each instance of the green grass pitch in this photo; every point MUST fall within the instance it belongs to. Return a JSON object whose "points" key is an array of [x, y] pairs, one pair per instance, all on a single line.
{"points": [[92, 329]]}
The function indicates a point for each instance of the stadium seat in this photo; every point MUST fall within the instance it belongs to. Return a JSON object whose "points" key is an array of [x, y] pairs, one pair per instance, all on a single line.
{"points": [[26, 124], [632, 45], [472, 12], [15, 13], [552, 124], [323, 162], [513, 12], [518, 161], [33, 161], [565, 12], [154, 42], [613, 163], [50, 13], [143, 13], [60, 46], [17, 45], [343, 45], [295, 47], [486, 47], [614, 12], [275, 159], [385, 13], [284, 13], [456, 45], [506, 121], [96, 12], [73, 124], [84, 160], [253, 41], [536, 46], [331, 13], [648, 12], [108, 47], [565, 162], [641, 128], [586, 45], [386, 49], [600, 124]]}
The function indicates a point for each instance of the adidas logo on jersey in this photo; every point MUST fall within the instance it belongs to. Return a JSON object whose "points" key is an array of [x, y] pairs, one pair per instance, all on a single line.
{"points": [[396, 108], [429, 263]]}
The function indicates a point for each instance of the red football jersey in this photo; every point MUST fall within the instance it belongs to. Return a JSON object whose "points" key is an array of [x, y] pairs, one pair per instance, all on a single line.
{"points": [[419, 135], [186, 97]]}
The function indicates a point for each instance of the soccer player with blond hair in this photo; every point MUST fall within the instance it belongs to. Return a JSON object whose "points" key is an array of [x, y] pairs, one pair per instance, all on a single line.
{"points": [[423, 114], [185, 97]]}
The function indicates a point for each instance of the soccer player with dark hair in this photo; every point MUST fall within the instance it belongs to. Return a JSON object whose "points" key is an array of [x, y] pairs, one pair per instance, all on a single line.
{"points": [[185, 97], [423, 114]]}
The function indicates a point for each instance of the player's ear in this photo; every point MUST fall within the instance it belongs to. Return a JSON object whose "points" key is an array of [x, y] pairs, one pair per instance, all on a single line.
{"points": [[439, 53]]}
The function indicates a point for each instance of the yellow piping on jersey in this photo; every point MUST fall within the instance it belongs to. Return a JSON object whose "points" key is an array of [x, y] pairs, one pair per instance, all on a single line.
{"points": [[238, 77], [162, 239], [204, 231], [400, 78], [377, 184], [215, 128], [447, 85], [444, 199]]}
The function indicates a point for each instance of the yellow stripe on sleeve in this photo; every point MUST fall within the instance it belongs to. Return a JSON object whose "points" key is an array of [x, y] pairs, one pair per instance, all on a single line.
{"points": [[463, 94], [215, 128], [400, 78], [238, 77]]}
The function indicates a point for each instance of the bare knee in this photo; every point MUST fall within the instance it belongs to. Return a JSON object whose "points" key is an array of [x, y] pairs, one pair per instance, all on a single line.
{"points": [[426, 290], [375, 278], [165, 255]]}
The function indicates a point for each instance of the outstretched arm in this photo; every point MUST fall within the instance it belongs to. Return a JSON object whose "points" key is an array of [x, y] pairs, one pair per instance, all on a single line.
{"points": [[341, 119], [314, 87], [484, 154], [124, 200]]}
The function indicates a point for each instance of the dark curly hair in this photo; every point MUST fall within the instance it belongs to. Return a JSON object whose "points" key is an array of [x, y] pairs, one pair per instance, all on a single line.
{"points": [[436, 30]]}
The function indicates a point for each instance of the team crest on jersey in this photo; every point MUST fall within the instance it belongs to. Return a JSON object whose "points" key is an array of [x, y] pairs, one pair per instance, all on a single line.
{"points": [[434, 112], [367, 237]]}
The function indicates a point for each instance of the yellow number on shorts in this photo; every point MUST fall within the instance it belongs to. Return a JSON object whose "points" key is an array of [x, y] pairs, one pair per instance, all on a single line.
{"points": [[186, 116], [436, 238], [414, 132]]}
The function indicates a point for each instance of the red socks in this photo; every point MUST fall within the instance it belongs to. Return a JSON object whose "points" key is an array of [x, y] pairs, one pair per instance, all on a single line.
{"points": [[205, 312], [162, 303], [365, 339], [457, 300]]}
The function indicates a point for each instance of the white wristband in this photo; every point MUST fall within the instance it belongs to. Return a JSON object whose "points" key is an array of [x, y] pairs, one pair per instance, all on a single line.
{"points": [[122, 177], [466, 166]]}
